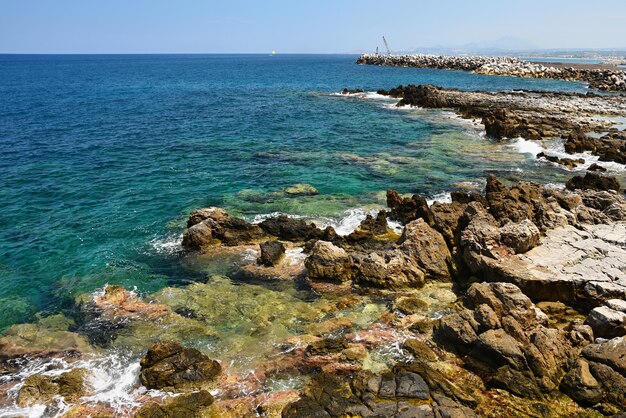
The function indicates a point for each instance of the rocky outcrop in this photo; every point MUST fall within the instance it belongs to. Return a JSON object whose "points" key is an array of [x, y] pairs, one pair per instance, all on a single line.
{"points": [[506, 339], [524, 114], [407, 209], [593, 181], [214, 226], [608, 321], [171, 366], [602, 77]]}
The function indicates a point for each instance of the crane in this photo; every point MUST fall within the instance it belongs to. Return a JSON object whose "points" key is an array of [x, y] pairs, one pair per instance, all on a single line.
{"points": [[387, 46]]}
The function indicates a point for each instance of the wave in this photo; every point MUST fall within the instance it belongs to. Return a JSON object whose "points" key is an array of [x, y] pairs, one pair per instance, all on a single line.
{"points": [[557, 149], [168, 245]]}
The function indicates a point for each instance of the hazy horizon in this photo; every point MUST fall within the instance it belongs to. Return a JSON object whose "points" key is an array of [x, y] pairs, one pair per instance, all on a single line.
{"points": [[193, 26]]}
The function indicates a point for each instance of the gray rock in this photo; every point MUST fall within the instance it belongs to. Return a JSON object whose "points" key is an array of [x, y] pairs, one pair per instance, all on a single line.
{"points": [[607, 322]]}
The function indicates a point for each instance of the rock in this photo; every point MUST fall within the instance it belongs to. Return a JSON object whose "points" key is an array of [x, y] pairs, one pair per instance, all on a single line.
{"points": [[419, 349], [391, 270], [37, 389], [326, 346], [567, 162], [596, 167], [41, 389], [372, 229], [409, 305], [351, 91], [612, 353], [593, 181], [607, 322], [506, 339], [520, 237], [406, 210], [188, 405], [72, 385], [428, 247], [300, 189], [329, 262], [171, 366], [291, 229], [213, 226], [271, 253], [580, 384]]}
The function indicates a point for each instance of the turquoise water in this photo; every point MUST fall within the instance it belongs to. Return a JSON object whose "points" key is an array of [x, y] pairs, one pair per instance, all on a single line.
{"points": [[103, 156]]}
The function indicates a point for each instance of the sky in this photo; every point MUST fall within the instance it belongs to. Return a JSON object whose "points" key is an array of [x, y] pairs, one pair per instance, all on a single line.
{"points": [[296, 26]]}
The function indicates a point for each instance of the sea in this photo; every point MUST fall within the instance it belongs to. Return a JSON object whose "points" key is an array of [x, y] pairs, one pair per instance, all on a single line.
{"points": [[102, 157]]}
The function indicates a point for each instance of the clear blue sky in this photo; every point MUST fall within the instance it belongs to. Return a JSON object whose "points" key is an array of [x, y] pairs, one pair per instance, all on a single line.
{"points": [[126, 26]]}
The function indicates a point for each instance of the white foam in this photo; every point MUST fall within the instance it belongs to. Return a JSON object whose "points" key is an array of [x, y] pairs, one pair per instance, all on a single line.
{"points": [[113, 379], [557, 149], [443, 197], [170, 244]]}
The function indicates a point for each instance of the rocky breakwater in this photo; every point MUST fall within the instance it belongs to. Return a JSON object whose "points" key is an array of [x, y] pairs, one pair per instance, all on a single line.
{"points": [[602, 77], [532, 115]]}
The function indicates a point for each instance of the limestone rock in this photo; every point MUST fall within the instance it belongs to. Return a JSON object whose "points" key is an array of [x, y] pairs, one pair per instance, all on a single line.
{"points": [[607, 322]]}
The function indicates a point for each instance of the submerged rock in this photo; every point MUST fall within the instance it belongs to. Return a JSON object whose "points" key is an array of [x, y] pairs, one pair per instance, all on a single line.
{"points": [[300, 189], [171, 366]]}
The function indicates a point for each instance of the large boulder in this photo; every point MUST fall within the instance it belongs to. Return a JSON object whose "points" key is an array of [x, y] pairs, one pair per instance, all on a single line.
{"points": [[42, 389], [428, 247], [170, 366], [520, 237], [329, 262], [391, 270], [213, 226], [607, 364]]}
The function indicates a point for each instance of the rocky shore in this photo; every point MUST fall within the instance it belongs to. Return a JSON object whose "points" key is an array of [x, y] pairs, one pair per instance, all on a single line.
{"points": [[583, 120], [509, 302], [601, 77]]}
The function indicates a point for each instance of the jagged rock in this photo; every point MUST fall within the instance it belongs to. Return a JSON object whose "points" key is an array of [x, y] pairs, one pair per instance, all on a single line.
{"points": [[428, 247], [514, 347], [593, 181], [271, 253], [607, 322], [419, 349], [171, 366], [291, 229], [406, 210], [612, 353], [188, 405], [329, 262], [372, 229], [213, 226]]}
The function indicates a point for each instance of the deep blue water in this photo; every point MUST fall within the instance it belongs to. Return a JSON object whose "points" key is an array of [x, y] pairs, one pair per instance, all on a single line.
{"points": [[102, 157]]}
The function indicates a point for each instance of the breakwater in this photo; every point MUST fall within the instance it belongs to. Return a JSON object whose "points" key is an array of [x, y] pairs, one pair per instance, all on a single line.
{"points": [[603, 77]]}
